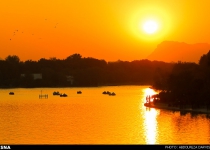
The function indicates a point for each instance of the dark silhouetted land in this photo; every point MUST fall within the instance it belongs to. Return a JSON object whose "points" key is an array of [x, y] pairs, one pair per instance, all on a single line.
{"points": [[171, 51]]}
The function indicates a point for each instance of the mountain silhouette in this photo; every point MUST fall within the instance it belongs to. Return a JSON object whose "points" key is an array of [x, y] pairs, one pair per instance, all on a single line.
{"points": [[172, 51]]}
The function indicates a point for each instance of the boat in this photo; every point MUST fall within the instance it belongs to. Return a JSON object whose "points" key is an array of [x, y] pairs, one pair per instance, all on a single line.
{"points": [[56, 93], [11, 93], [63, 95], [112, 94], [106, 92], [79, 92]]}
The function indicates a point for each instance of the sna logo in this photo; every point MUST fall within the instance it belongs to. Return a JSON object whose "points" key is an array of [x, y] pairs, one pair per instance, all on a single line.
{"points": [[5, 147]]}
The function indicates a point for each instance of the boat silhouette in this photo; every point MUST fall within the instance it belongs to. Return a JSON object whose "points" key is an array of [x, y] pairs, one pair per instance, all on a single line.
{"points": [[11, 93], [63, 95], [56, 93]]}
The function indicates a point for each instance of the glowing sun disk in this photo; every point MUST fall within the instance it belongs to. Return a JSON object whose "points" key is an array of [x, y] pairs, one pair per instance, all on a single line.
{"points": [[150, 26]]}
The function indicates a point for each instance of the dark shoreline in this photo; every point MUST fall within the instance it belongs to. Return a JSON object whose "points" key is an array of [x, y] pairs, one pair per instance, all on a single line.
{"points": [[165, 106], [76, 86]]}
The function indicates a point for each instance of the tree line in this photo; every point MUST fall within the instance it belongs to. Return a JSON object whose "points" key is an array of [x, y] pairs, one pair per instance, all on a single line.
{"points": [[187, 85], [85, 71]]}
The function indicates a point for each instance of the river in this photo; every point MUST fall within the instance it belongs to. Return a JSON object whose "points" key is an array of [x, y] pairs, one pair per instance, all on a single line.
{"points": [[94, 118]]}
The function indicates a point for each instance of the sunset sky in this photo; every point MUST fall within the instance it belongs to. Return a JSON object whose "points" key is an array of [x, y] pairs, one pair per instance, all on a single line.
{"points": [[104, 29]]}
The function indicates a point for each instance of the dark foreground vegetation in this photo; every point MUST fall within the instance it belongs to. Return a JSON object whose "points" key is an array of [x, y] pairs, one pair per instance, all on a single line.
{"points": [[78, 71], [188, 85]]}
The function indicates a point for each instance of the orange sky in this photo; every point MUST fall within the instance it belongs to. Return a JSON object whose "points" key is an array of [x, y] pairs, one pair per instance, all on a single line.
{"points": [[102, 29]]}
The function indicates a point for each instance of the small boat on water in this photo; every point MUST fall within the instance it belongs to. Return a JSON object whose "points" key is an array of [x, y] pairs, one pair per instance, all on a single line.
{"points": [[63, 95], [56, 93], [106, 92], [79, 92], [11, 93], [112, 94]]}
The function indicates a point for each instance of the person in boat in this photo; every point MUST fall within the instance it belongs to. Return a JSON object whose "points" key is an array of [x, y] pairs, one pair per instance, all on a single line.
{"points": [[112, 94], [56, 93], [63, 95]]}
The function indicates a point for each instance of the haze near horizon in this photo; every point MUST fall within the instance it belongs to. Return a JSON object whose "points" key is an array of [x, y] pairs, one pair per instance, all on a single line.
{"points": [[110, 30]]}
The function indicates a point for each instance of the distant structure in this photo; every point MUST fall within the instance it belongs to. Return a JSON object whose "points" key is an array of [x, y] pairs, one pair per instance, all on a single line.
{"points": [[70, 79], [37, 76], [34, 75], [43, 95]]}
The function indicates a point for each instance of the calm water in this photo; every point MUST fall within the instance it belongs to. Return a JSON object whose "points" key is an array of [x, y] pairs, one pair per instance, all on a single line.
{"points": [[94, 118]]}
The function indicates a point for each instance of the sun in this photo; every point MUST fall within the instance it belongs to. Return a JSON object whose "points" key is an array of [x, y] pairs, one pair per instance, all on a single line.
{"points": [[150, 23], [150, 26]]}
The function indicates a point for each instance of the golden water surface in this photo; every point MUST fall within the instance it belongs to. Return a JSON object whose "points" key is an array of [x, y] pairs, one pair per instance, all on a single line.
{"points": [[94, 118]]}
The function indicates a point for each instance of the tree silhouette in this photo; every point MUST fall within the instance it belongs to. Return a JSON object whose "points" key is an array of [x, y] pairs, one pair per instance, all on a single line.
{"points": [[12, 59]]}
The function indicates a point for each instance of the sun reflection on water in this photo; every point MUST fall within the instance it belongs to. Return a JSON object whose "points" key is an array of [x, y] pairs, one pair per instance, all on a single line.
{"points": [[150, 122], [151, 126]]}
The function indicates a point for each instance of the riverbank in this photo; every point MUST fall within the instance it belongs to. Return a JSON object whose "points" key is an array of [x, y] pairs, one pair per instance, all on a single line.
{"points": [[165, 106]]}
